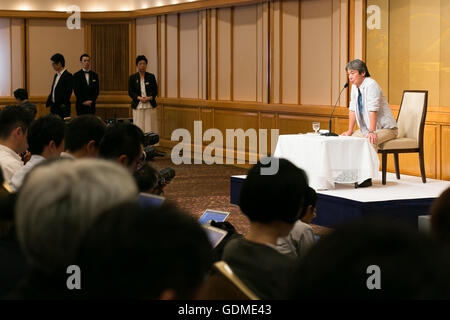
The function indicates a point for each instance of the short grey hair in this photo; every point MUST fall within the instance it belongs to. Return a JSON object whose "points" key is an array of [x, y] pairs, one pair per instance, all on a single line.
{"points": [[359, 66], [58, 203]]}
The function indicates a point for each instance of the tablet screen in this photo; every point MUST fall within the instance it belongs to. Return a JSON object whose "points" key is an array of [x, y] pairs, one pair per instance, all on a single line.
{"points": [[213, 215], [149, 200], [215, 235]]}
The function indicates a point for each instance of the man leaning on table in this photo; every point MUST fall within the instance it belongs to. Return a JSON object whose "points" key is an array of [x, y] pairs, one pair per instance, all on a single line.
{"points": [[369, 109]]}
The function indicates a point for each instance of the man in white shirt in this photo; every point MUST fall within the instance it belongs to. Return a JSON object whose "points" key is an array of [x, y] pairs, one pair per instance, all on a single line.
{"points": [[14, 124], [45, 140], [368, 108]]}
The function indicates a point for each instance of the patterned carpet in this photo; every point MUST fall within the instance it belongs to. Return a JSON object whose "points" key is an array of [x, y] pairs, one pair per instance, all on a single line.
{"points": [[197, 187]]}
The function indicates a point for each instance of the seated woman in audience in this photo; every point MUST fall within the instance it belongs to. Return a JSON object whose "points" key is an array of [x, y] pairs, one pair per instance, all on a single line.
{"points": [[273, 204], [301, 237]]}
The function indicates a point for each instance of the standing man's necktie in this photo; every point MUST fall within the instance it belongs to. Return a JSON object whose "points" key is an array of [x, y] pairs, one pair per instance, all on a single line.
{"points": [[360, 105]]}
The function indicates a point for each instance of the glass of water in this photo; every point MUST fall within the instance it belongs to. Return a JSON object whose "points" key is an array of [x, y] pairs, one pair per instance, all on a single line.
{"points": [[316, 126]]}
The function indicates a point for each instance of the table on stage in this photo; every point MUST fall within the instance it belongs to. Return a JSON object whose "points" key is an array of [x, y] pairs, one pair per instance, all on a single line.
{"points": [[329, 160]]}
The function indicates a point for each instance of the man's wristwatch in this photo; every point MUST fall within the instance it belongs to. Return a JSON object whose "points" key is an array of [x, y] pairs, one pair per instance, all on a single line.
{"points": [[370, 131]]}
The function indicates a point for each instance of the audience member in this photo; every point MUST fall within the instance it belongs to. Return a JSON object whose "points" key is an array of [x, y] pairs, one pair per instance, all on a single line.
{"points": [[301, 237], [123, 143], [21, 96], [372, 259], [56, 205], [83, 136], [147, 179], [273, 204], [45, 140], [440, 218], [14, 124], [152, 253]]}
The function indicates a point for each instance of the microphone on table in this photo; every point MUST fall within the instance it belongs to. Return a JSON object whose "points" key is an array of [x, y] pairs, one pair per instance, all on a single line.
{"points": [[332, 134]]}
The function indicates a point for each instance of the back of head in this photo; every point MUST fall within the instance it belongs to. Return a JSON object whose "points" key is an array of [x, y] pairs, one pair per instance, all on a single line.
{"points": [[122, 139], [440, 218], [83, 129], [44, 130], [58, 202], [310, 200], [278, 197], [12, 117], [132, 252], [21, 94], [365, 254]]}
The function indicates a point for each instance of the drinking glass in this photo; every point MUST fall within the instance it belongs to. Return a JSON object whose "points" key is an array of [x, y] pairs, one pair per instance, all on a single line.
{"points": [[316, 126]]}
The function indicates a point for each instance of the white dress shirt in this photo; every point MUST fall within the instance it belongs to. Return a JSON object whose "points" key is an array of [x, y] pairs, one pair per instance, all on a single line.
{"points": [[86, 75], [58, 76], [372, 100], [10, 162], [17, 179]]}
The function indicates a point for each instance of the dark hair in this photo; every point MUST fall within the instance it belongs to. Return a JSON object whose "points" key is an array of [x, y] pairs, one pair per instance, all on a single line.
{"points": [[310, 200], [359, 66], [58, 58], [440, 218], [146, 178], [21, 94], [12, 117], [140, 58], [411, 264], [278, 197], [137, 253], [83, 129], [84, 55], [44, 130], [122, 139]]}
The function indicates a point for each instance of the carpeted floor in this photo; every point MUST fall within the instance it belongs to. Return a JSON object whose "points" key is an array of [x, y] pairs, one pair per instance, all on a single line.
{"points": [[197, 187]]}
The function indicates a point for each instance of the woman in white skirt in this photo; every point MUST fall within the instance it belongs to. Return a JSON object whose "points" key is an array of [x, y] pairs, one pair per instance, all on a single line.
{"points": [[143, 89]]}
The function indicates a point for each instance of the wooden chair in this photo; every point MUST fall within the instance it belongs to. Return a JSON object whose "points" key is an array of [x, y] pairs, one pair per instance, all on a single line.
{"points": [[411, 123], [223, 284]]}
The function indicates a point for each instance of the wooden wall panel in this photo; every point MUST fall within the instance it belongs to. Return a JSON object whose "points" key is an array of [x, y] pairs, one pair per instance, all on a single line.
{"points": [[47, 37], [172, 55], [17, 54], [146, 42], [268, 122], [5, 57], [224, 54], [299, 124], [110, 45], [245, 55], [316, 55], [445, 152], [175, 118], [290, 55], [189, 55], [224, 120]]}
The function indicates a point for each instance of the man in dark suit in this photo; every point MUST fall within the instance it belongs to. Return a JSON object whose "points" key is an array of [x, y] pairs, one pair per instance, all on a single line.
{"points": [[59, 97], [86, 87]]}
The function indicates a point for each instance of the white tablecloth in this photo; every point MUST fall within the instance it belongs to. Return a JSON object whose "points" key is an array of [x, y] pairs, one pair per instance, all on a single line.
{"points": [[328, 160]]}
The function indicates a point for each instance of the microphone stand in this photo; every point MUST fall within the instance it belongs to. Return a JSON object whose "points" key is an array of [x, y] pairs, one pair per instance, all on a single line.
{"points": [[332, 134]]}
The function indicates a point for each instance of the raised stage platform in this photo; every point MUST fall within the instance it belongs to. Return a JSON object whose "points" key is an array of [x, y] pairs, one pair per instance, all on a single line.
{"points": [[403, 199]]}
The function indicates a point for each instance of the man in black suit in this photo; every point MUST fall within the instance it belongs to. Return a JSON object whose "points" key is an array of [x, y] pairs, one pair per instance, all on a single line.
{"points": [[59, 97], [86, 87]]}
